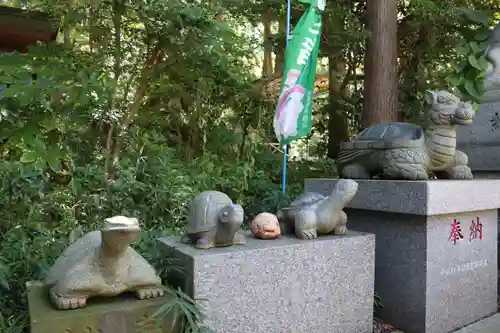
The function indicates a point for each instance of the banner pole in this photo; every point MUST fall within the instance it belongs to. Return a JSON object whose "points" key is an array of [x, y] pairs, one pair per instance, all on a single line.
{"points": [[285, 148]]}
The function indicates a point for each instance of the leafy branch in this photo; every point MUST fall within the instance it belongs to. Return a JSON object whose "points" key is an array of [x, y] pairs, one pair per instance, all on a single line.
{"points": [[468, 72]]}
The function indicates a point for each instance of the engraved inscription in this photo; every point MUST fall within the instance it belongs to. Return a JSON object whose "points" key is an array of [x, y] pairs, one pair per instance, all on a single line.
{"points": [[465, 267]]}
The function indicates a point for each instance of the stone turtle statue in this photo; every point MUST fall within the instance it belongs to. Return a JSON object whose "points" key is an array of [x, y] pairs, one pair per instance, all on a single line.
{"points": [[407, 151], [313, 214], [214, 221], [101, 263]]}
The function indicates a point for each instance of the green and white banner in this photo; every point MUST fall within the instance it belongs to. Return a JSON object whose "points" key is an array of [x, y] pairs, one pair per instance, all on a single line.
{"points": [[293, 116]]}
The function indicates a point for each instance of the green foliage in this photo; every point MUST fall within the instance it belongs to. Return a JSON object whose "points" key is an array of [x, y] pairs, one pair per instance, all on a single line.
{"points": [[187, 315], [441, 47], [468, 71]]}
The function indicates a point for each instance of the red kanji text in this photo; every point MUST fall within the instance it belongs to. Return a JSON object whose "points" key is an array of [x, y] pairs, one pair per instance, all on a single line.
{"points": [[456, 232], [476, 230]]}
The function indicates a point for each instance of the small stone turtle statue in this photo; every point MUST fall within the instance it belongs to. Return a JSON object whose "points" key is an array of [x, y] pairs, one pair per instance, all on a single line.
{"points": [[214, 221], [312, 213], [407, 151], [101, 263]]}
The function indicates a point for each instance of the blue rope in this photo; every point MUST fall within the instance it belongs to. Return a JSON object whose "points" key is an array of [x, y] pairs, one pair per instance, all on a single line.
{"points": [[288, 19]]}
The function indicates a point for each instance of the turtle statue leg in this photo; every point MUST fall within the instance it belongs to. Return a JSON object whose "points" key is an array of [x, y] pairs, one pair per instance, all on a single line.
{"points": [[68, 301], [459, 168], [341, 228], [405, 163], [239, 239], [149, 292], [204, 243], [355, 171], [305, 224]]}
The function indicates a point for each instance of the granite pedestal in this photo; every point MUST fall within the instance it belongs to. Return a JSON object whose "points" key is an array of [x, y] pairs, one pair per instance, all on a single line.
{"points": [[283, 285], [432, 276], [121, 314]]}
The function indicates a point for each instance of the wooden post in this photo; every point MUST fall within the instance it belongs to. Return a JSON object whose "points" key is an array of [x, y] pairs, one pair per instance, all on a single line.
{"points": [[381, 76]]}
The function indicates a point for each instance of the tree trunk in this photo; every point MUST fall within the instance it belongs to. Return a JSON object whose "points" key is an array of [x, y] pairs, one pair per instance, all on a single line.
{"points": [[150, 68], [267, 66], [118, 9], [68, 20], [338, 124], [381, 76], [93, 23], [280, 52]]}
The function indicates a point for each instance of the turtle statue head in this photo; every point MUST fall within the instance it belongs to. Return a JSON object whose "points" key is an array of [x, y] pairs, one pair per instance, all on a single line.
{"points": [[448, 109], [119, 232], [345, 189], [232, 214]]}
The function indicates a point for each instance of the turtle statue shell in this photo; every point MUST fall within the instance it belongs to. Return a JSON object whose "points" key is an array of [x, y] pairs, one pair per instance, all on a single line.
{"points": [[204, 210], [306, 199], [392, 135]]}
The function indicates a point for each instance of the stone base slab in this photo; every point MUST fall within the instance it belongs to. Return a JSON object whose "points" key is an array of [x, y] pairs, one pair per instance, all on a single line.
{"points": [[123, 314], [283, 285]]}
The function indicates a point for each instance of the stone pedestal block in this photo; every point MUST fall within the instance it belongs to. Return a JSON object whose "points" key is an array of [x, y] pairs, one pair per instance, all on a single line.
{"points": [[283, 285], [436, 253], [121, 314]]}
